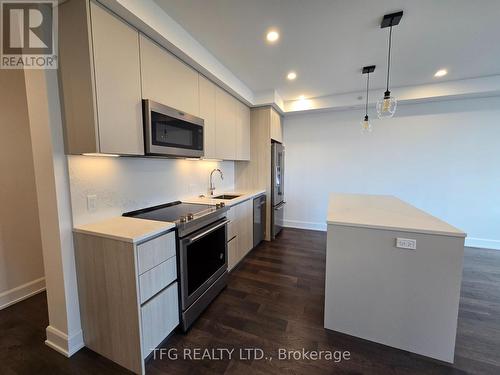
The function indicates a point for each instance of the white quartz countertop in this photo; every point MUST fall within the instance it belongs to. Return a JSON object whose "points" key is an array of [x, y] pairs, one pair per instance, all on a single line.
{"points": [[384, 212], [243, 196], [135, 230], [127, 229]]}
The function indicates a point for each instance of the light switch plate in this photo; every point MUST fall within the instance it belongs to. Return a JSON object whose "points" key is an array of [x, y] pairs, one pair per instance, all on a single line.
{"points": [[406, 243], [91, 203]]}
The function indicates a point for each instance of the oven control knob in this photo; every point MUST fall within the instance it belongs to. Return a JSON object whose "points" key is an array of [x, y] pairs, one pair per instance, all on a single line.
{"points": [[182, 219], [190, 216]]}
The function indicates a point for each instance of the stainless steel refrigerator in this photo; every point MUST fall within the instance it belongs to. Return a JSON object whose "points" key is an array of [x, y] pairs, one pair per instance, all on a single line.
{"points": [[277, 187]]}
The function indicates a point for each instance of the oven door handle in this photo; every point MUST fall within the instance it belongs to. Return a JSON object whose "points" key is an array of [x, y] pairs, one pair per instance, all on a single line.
{"points": [[203, 234]]}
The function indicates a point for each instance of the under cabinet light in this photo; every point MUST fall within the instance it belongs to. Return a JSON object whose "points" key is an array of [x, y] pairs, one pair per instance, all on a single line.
{"points": [[210, 159], [99, 154]]}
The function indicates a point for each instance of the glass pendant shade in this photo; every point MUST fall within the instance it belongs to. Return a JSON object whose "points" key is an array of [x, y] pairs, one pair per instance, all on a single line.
{"points": [[366, 126], [386, 107]]}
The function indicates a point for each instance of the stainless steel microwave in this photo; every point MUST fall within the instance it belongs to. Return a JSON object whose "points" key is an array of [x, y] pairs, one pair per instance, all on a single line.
{"points": [[170, 132]]}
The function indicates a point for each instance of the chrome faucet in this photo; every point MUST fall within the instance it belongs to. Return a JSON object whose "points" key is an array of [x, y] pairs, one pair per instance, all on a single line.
{"points": [[212, 187]]}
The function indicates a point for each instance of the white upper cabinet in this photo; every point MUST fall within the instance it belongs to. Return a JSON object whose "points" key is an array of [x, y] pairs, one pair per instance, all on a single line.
{"points": [[242, 132], [225, 117], [100, 81], [276, 127], [232, 132], [117, 83], [107, 67], [167, 80], [227, 123], [207, 113]]}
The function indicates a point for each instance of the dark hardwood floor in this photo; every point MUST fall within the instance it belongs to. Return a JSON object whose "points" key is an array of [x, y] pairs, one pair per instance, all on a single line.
{"points": [[275, 300]]}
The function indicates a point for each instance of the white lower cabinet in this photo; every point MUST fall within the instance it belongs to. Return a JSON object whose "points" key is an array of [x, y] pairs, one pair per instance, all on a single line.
{"points": [[244, 227], [159, 317], [240, 232], [128, 295], [231, 233], [232, 253]]}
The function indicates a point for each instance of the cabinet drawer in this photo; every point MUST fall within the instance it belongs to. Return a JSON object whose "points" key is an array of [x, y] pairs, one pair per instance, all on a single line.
{"points": [[155, 251], [159, 317], [157, 278]]}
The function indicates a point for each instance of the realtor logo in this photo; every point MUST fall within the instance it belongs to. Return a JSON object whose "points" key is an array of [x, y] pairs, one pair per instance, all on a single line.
{"points": [[29, 34]]}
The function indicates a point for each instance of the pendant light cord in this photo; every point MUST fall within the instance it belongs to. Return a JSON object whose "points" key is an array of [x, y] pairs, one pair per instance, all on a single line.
{"points": [[389, 58], [367, 85]]}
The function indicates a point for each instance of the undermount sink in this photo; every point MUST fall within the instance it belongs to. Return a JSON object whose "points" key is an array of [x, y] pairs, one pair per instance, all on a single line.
{"points": [[226, 196]]}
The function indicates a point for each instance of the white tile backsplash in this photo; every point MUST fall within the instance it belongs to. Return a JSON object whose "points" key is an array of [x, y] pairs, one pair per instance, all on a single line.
{"points": [[127, 183]]}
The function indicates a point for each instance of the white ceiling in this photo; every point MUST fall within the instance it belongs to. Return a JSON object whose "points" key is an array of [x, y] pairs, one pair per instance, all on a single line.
{"points": [[328, 41]]}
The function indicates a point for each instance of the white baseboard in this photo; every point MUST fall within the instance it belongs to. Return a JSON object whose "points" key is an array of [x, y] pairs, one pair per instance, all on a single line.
{"points": [[21, 292], [62, 343], [482, 243], [304, 225], [469, 241]]}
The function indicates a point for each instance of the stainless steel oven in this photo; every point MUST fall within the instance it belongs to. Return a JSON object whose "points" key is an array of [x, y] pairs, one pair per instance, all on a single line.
{"points": [[170, 132], [202, 268], [201, 233]]}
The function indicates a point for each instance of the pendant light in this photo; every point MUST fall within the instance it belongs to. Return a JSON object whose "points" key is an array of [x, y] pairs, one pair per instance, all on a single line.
{"points": [[386, 107], [366, 126]]}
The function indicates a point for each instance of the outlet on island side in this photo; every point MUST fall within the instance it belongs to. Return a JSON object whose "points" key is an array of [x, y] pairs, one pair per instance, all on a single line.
{"points": [[406, 243], [91, 203]]}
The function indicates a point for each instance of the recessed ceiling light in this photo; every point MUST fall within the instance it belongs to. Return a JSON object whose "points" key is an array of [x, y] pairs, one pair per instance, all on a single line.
{"points": [[291, 76], [441, 73], [272, 36]]}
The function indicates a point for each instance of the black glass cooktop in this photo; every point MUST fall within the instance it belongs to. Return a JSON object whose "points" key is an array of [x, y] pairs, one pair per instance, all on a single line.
{"points": [[170, 211]]}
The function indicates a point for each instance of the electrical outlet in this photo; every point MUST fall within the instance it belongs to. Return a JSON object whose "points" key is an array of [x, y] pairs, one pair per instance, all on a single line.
{"points": [[406, 243], [91, 203]]}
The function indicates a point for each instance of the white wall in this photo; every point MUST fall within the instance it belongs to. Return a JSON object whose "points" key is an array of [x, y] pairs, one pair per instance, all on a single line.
{"points": [[442, 157], [21, 262], [125, 183], [64, 332]]}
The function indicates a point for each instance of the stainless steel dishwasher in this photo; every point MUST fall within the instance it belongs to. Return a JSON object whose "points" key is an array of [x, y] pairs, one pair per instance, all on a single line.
{"points": [[259, 219]]}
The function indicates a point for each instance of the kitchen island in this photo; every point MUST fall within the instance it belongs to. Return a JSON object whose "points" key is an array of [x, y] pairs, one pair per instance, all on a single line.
{"points": [[393, 274]]}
